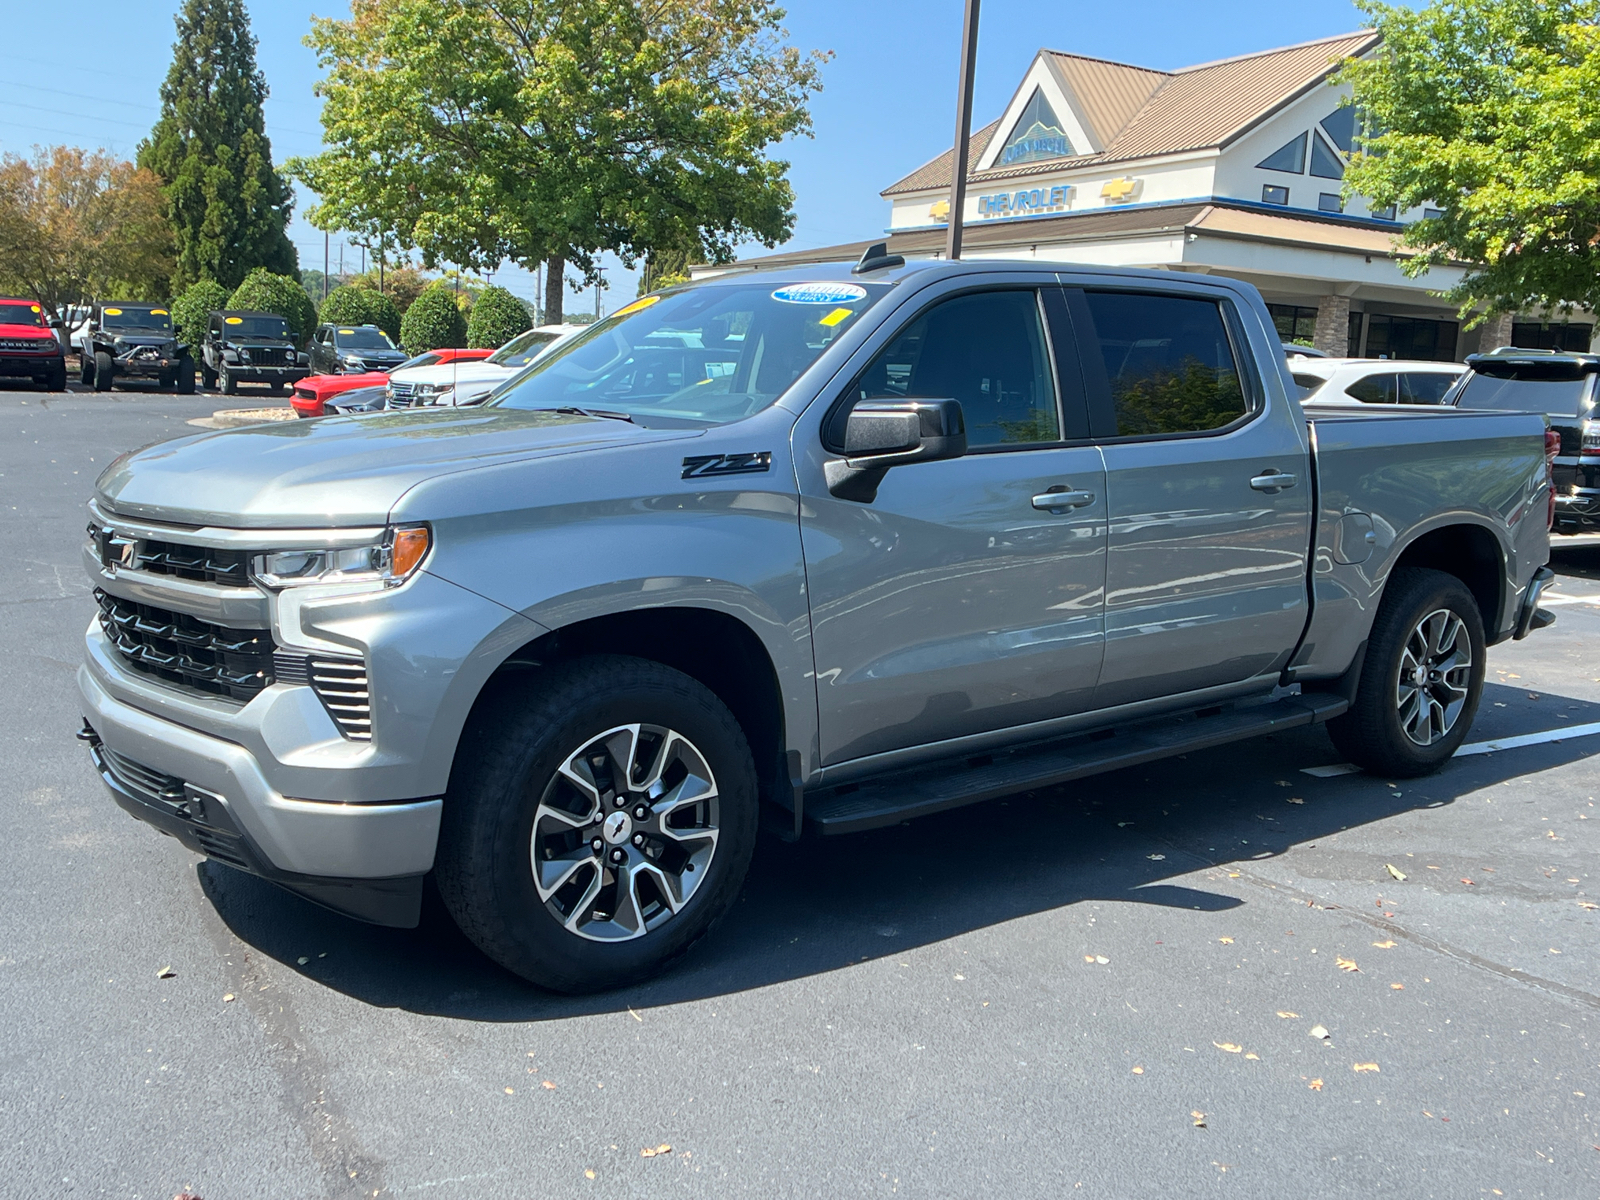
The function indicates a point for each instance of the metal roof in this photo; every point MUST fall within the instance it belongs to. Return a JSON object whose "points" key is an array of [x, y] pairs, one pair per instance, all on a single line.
{"points": [[1196, 108]]}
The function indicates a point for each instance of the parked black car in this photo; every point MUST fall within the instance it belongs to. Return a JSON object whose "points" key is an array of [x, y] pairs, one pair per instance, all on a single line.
{"points": [[250, 347], [135, 341], [1562, 386], [359, 400], [29, 349], [351, 349]]}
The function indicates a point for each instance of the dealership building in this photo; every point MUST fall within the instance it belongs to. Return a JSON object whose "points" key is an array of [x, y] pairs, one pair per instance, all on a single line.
{"points": [[1230, 168]]}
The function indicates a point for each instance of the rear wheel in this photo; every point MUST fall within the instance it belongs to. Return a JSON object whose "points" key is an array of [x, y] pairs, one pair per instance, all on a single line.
{"points": [[103, 372], [600, 820], [1421, 680], [86, 368]]}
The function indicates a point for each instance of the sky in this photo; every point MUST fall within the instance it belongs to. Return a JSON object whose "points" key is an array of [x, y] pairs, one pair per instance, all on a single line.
{"points": [[887, 103]]}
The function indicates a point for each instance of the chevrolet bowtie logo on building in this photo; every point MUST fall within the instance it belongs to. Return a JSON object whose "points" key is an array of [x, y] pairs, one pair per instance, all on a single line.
{"points": [[1121, 191], [940, 211]]}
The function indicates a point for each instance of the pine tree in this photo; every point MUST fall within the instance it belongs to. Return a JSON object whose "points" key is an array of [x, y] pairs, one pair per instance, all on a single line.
{"points": [[228, 206]]}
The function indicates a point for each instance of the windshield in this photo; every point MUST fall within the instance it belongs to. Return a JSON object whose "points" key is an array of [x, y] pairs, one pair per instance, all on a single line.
{"points": [[708, 354], [13, 312], [1554, 397], [153, 319], [259, 327], [363, 339], [520, 350]]}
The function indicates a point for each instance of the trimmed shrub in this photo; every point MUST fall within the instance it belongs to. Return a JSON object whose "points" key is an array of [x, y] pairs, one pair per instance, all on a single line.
{"points": [[356, 305], [433, 322], [262, 291], [497, 317], [190, 310]]}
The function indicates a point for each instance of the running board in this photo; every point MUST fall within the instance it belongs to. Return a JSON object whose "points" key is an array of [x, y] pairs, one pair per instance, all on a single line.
{"points": [[951, 783]]}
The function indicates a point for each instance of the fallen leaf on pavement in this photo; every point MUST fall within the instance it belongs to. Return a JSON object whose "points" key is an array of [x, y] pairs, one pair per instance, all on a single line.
{"points": [[227, 998], [1588, 907], [1363, 1066], [1345, 964], [548, 1086], [588, 1174], [1469, 882], [511, 1091], [1101, 959], [1386, 945], [1281, 1013], [1315, 1085], [1199, 1119], [1394, 871], [165, 973], [1318, 1031], [1088, 958], [1228, 1046], [1226, 941], [1254, 1055], [1397, 987], [1138, 1070], [652, 1151]]}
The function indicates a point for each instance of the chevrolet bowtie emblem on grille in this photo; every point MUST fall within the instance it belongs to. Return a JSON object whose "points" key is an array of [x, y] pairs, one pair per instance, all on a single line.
{"points": [[1119, 191]]}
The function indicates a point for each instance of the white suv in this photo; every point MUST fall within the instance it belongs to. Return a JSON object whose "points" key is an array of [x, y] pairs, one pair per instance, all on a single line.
{"points": [[469, 381], [1356, 381]]}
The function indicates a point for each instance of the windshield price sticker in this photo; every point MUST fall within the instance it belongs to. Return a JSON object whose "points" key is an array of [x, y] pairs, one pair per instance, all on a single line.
{"points": [[234, 320], [820, 293], [158, 312], [113, 312]]}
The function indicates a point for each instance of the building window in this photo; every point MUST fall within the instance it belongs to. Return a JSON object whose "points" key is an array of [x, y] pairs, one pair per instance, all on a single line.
{"points": [[1273, 194], [1411, 337], [1432, 214], [1340, 126], [1289, 158], [1384, 214], [1325, 161], [1551, 335], [1330, 202], [1353, 341], [1294, 322], [1037, 135]]}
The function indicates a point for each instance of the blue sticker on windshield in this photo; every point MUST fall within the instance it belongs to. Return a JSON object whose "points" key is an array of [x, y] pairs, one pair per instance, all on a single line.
{"points": [[820, 293]]}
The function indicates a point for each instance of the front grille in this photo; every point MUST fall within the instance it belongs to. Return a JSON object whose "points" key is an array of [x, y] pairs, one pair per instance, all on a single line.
{"points": [[170, 794], [1571, 438], [32, 345], [340, 683], [186, 651], [400, 395], [231, 567], [270, 356], [166, 790]]}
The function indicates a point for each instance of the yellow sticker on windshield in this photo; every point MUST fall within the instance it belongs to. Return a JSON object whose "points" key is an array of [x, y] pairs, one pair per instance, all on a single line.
{"points": [[643, 302], [234, 320], [346, 332], [113, 312], [35, 307], [158, 312], [835, 316]]}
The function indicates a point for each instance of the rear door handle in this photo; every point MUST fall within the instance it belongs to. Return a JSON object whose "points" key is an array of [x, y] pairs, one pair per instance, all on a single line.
{"points": [[1058, 501], [1273, 481]]}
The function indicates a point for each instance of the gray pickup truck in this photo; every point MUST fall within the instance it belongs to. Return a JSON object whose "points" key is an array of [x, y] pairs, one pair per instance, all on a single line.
{"points": [[824, 549]]}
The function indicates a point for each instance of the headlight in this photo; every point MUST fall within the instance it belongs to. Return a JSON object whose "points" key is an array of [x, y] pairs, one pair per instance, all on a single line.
{"points": [[244, 356], [352, 360], [390, 562]]}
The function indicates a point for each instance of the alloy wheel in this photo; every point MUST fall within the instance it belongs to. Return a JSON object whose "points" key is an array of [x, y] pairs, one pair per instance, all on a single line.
{"points": [[625, 832], [1435, 675]]}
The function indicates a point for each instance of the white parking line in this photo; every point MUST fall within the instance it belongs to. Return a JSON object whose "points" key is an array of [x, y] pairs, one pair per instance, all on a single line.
{"points": [[1557, 598], [1529, 739]]}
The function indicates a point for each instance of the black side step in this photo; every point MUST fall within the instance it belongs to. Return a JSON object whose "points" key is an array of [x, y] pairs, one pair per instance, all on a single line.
{"points": [[949, 783]]}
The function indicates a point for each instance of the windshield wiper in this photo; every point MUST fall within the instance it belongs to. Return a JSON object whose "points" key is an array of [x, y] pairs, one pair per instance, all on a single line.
{"points": [[574, 410]]}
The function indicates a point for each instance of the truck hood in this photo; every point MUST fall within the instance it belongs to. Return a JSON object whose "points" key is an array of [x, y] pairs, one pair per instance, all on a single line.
{"points": [[467, 371], [32, 333], [339, 471]]}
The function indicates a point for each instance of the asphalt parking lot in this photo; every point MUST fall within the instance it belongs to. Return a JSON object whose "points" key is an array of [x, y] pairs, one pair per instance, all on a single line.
{"points": [[1118, 989]]}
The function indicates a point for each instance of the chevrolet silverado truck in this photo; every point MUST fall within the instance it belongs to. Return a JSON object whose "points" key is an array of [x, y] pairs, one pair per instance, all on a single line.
{"points": [[822, 549]]}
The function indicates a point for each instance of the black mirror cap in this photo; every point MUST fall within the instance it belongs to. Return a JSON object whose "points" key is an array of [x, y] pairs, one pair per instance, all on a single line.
{"points": [[880, 434]]}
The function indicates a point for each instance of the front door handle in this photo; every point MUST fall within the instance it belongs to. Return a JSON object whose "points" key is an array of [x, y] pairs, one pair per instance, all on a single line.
{"points": [[1273, 481], [1057, 501]]}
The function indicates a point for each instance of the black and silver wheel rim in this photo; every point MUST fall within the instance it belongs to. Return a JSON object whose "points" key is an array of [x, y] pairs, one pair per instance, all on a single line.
{"points": [[625, 832], [1435, 677]]}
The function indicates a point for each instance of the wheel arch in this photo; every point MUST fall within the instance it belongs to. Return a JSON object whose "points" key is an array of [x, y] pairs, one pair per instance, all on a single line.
{"points": [[1473, 554]]}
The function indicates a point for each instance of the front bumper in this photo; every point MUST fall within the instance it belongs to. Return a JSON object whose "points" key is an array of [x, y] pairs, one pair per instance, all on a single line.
{"points": [[144, 366], [250, 373], [31, 366], [364, 860]]}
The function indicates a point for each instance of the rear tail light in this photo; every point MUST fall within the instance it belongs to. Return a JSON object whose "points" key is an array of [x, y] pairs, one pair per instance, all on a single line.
{"points": [[1552, 447], [1590, 443]]}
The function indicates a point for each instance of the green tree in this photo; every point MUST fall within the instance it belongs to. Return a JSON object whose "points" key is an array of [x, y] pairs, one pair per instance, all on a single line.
{"points": [[355, 305], [667, 268], [552, 130], [198, 301], [497, 317], [1488, 112], [262, 291], [433, 322], [76, 224], [228, 206]]}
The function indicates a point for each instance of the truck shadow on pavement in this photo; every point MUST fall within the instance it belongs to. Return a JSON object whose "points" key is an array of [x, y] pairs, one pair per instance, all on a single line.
{"points": [[825, 904]]}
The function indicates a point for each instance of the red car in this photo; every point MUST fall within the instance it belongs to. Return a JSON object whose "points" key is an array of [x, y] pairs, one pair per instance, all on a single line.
{"points": [[29, 348], [311, 395]]}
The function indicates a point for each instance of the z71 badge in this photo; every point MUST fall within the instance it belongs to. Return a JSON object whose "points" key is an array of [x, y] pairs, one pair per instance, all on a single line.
{"points": [[704, 465]]}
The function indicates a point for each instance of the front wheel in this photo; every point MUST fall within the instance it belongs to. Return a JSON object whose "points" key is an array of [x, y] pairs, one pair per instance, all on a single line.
{"points": [[228, 384], [183, 381], [600, 819], [208, 377], [1422, 678], [103, 371]]}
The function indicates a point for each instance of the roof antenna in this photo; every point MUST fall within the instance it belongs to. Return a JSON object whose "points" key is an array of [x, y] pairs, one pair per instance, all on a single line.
{"points": [[876, 258]]}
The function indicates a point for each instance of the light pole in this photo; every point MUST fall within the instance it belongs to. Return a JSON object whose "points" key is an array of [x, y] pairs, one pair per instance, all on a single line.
{"points": [[958, 182]]}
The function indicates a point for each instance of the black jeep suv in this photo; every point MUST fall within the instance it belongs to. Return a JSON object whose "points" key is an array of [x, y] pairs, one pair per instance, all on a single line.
{"points": [[250, 347], [135, 341]]}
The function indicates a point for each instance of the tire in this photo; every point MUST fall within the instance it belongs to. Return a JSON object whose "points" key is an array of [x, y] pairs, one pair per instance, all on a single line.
{"points": [[503, 809], [56, 381], [1399, 730], [228, 384], [208, 377], [184, 381], [104, 375], [86, 368]]}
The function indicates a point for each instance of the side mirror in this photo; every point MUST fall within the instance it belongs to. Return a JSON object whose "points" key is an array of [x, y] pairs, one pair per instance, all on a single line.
{"points": [[880, 434], [57, 323]]}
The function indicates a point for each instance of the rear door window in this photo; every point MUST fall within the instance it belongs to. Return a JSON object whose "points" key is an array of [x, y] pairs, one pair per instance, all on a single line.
{"points": [[1169, 362], [1383, 388], [1424, 387]]}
